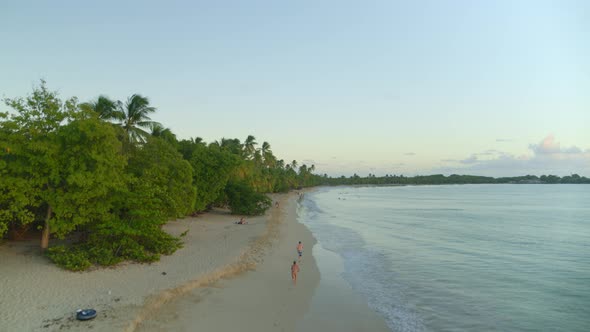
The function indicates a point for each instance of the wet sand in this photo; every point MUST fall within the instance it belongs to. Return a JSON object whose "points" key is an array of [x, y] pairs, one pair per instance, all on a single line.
{"points": [[263, 299]]}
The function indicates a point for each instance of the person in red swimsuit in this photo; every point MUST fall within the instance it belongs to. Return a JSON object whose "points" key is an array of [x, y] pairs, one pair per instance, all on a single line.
{"points": [[294, 271]]}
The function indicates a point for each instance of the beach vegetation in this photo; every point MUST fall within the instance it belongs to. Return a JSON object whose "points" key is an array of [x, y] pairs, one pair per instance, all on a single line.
{"points": [[212, 167], [159, 165], [166, 134], [61, 165], [244, 200], [100, 179], [104, 107], [68, 258], [134, 117]]}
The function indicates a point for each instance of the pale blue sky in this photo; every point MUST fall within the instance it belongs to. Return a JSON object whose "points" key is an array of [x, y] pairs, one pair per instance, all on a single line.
{"points": [[414, 87]]}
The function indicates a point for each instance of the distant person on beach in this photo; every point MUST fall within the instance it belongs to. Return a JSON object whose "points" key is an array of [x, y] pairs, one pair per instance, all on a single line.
{"points": [[294, 271], [242, 221], [300, 249], [277, 204]]}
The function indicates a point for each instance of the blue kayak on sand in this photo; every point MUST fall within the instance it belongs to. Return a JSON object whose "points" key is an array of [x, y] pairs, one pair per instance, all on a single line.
{"points": [[85, 314]]}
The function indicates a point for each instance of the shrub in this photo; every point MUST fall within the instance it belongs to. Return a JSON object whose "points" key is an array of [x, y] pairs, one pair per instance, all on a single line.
{"points": [[69, 258], [242, 199], [103, 256], [110, 249]]}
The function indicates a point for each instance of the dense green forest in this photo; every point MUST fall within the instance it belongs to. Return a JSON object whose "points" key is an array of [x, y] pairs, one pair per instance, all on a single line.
{"points": [[105, 177], [100, 178]]}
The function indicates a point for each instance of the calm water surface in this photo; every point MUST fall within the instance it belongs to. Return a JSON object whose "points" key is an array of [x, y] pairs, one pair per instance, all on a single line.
{"points": [[462, 258]]}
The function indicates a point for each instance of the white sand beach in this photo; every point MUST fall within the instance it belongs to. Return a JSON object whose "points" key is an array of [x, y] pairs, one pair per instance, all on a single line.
{"points": [[227, 277], [263, 299], [36, 295]]}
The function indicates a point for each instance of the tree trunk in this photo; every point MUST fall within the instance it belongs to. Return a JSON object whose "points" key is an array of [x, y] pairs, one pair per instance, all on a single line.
{"points": [[45, 233]]}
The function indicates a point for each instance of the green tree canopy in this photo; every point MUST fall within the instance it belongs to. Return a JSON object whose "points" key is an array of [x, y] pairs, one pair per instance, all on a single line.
{"points": [[243, 199], [212, 169], [159, 165], [57, 171]]}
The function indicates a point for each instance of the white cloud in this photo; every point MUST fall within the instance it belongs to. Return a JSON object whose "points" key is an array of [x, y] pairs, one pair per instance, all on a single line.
{"points": [[548, 157], [547, 146], [470, 160], [572, 149], [544, 157]]}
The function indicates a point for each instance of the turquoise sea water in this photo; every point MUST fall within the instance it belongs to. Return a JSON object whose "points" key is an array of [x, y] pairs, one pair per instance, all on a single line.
{"points": [[462, 258]]}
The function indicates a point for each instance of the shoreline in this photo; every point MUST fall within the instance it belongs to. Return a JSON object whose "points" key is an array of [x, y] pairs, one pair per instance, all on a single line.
{"points": [[226, 277], [264, 298], [260, 299], [335, 306]]}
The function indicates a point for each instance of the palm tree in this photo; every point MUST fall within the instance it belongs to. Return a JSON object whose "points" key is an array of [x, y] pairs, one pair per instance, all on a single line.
{"points": [[250, 146], [303, 169], [131, 116], [104, 107], [164, 133], [232, 145], [134, 116], [269, 159], [257, 157]]}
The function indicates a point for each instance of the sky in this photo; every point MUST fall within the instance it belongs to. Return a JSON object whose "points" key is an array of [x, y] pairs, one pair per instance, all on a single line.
{"points": [[494, 88]]}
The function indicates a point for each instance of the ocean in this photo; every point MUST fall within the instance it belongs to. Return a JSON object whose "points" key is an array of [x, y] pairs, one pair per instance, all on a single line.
{"points": [[459, 258]]}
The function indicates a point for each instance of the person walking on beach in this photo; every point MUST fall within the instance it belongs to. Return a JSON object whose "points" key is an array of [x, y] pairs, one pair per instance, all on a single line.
{"points": [[300, 249], [294, 271]]}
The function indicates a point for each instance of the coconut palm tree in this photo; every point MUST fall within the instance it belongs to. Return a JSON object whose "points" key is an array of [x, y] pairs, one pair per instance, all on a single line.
{"points": [[269, 159], [303, 169], [250, 146], [232, 145], [134, 116], [157, 130], [104, 107], [257, 157]]}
